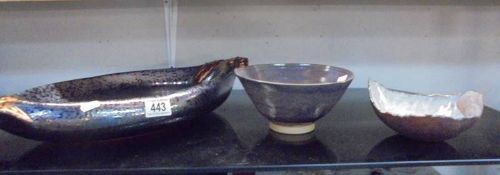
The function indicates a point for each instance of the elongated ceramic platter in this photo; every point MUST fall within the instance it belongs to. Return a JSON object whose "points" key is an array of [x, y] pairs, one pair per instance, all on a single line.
{"points": [[118, 105], [424, 117]]}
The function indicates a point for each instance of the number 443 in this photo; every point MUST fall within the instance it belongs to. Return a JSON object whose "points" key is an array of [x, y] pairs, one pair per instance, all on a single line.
{"points": [[158, 107]]}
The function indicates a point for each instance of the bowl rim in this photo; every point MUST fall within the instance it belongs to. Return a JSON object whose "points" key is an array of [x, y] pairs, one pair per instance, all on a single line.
{"points": [[350, 74]]}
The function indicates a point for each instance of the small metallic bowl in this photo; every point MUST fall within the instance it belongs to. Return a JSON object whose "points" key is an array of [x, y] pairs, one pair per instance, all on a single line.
{"points": [[426, 117], [294, 96]]}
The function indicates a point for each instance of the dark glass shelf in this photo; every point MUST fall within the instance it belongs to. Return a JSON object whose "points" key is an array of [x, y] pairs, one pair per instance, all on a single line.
{"points": [[235, 138]]}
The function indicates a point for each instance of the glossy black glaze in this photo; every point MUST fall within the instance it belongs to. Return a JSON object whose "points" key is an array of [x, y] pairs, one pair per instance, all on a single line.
{"points": [[235, 138], [294, 93], [111, 106]]}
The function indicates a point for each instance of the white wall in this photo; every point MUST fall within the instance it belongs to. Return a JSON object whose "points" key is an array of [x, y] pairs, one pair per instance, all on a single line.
{"points": [[466, 170], [44, 42], [425, 46], [437, 46]]}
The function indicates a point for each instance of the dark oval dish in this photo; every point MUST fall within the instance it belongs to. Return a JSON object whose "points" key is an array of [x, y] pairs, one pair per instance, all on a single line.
{"points": [[426, 117], [114, 105]]}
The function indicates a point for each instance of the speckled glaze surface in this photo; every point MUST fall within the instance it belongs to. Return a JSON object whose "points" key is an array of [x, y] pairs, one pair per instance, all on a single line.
{"points": [[431, 118], [113, 105], [294, 93]]}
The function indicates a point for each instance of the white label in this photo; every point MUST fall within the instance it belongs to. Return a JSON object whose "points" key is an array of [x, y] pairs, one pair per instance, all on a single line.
{"points": [[342, 78], [157, 108], [89, 106]]}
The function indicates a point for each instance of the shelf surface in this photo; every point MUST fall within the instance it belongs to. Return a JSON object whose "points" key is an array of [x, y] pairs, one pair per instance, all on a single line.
{"points": [[235, 138]]}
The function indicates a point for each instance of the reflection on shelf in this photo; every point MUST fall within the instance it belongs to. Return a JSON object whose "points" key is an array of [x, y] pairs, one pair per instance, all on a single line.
{"points": [[400, 148], [205, 140], [283, 149]]}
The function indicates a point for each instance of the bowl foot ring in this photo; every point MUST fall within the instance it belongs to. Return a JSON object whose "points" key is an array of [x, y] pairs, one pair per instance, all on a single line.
{"points": [[296, 128]]}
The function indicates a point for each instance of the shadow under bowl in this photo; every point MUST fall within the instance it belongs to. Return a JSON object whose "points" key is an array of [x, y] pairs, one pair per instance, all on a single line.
{"points": [[293, 96]]}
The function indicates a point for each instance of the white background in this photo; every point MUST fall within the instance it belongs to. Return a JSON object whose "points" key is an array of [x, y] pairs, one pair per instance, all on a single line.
{"points": [[430, 47]]}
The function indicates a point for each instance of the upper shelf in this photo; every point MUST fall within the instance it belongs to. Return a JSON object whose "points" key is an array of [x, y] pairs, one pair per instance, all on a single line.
{"points": [[33, 0], [235, 138]]}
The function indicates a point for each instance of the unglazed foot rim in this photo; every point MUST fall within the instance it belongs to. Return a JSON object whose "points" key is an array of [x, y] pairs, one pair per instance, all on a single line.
{"points": [[286, 128]]}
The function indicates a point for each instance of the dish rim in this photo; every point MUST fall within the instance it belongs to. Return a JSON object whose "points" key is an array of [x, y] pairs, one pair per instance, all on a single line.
{"points": [[350, 74], [372, 83]]}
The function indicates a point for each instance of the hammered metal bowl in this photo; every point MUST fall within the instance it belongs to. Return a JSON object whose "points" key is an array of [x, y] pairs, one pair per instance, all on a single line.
{"points": [[426, 117]]}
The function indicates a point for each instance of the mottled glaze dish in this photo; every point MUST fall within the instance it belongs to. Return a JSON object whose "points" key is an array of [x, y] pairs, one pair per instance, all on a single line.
{"points": [[426, 117], [294, 96], [114, 105]]}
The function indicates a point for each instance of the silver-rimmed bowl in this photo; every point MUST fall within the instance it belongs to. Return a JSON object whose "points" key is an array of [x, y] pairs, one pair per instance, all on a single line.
{"points": [[293, 96], [424, 117]]}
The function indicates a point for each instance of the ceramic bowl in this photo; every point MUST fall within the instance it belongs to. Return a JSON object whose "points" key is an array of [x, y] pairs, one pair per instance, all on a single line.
{"points": [[293, 96], [426, 117]]}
